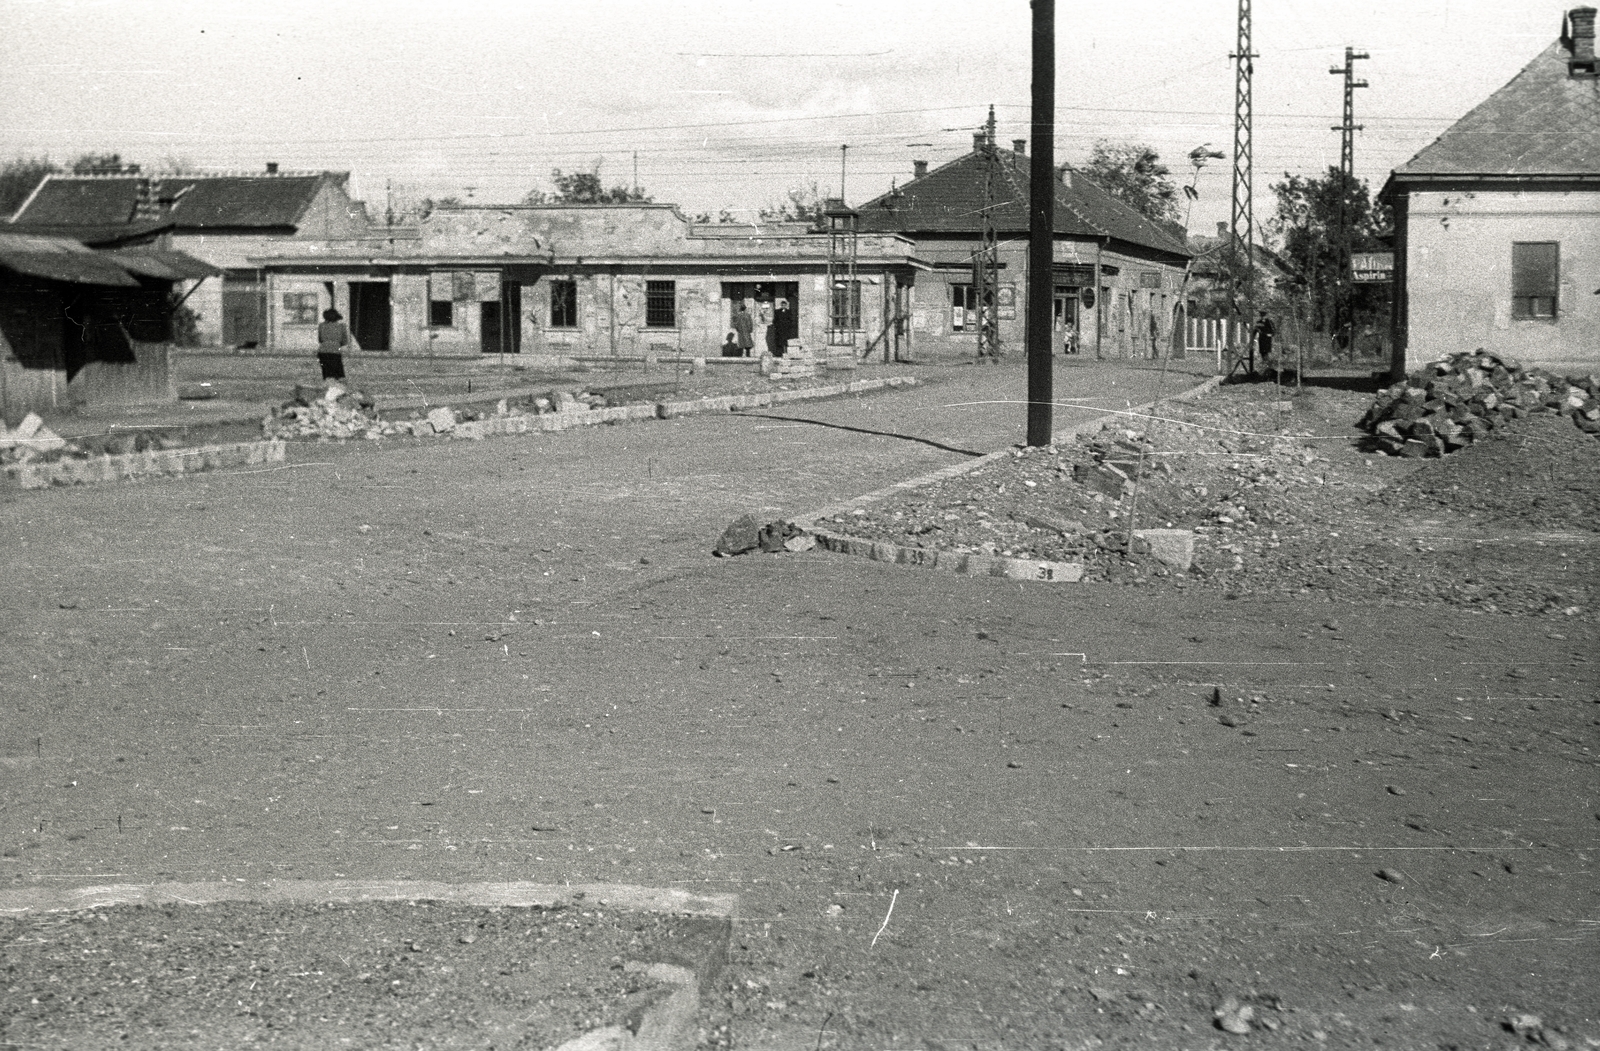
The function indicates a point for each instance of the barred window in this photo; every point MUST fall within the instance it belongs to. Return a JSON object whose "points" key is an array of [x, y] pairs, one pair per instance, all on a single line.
{"points": [[563, 304], [661, 304], [846, 306], [300, 308], [1535, 273]]}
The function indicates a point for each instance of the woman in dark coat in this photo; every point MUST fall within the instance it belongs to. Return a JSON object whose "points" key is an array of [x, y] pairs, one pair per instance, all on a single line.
{"points": [[332, 338]]}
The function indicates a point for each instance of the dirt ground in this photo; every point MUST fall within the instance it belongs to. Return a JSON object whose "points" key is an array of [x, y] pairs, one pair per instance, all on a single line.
{"points": [[959, 812]]}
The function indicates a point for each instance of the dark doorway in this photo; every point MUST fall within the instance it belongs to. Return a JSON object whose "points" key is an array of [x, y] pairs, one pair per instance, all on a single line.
{"points": [[500, 331], [370, 314], [775, 306]]}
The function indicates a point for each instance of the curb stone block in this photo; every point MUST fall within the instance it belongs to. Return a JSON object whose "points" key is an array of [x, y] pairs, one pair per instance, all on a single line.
{"points": [[951, 561], [1175, 547], [128, 466]]}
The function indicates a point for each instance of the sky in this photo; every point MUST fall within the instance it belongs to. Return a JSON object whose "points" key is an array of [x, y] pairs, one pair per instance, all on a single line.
{"points": [[728, 104]]}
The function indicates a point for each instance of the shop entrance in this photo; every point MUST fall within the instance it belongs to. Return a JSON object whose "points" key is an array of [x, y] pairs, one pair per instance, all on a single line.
{"points": [[775, 307], [370, 314], [1068, 334]]}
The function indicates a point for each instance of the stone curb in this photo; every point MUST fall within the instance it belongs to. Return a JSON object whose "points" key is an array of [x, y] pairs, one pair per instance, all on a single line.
{"points": [[669, 1024], [958, 561], [152, 462]]}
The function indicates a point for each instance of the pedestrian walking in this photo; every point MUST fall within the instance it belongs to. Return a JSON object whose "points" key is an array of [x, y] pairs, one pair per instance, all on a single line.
{"points": [[332, 338], [1265, 330]]}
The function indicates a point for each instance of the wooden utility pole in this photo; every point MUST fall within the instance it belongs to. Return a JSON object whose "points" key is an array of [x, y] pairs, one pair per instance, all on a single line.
{"points": [[1041, 226]]}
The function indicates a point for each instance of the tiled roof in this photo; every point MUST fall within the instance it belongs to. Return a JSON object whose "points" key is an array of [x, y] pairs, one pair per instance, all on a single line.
{"points": [[950, 199], [60, 259], [1544, 122], [252, 201]]}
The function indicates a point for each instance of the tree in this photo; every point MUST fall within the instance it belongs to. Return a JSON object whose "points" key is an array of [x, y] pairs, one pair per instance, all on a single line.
{"points": [[19, 177], [724, 218], [1306, 226], [801, 204], [586, 188], [1132, 172], [103, 164]]}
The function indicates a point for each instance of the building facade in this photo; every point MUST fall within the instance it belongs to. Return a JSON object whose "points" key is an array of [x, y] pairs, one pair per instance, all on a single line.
{"points": [[1498, 221], [615, 280], [1118, 276]]}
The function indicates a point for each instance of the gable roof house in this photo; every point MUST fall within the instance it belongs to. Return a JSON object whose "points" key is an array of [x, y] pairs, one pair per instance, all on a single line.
{"points": [[1118, 274], [224, 219], [1497, 221]]}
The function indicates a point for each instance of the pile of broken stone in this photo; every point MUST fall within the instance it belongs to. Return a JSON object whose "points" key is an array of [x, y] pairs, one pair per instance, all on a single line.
{"points": [[30, 441], [337, 412], [1465, 397]]}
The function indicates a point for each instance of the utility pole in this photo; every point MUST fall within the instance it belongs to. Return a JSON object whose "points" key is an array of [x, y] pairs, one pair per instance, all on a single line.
{"points": [[1242, 241], [1347, 174], [986, 260], [1041, 225], [843, 151]]}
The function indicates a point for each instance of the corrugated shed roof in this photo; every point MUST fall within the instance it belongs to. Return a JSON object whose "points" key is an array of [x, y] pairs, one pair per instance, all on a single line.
{"points": [[169, 264], [1543, 122], [190, 201], [60, 259], [950, 199]]}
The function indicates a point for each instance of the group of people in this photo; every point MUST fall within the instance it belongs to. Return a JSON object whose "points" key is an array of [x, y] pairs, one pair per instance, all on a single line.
{"points": [[741, 341]]}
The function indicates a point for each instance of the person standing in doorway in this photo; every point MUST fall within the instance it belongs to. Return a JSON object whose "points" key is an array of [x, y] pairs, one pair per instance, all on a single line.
{"points": [[782, 318], [332, 338], [744, 326]]}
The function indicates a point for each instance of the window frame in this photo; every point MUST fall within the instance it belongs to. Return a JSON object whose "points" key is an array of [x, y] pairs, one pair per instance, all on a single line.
{"points": [[1526, 294], [852, 313], [653, 308], [296, 310], [565, 303]]}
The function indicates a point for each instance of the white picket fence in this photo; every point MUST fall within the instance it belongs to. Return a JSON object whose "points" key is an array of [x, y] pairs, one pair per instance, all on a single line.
{"points": [[1212, 335]]}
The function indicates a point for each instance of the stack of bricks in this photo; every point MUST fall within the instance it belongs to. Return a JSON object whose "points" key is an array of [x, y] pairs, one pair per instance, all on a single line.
{"points": [[796, 363]]}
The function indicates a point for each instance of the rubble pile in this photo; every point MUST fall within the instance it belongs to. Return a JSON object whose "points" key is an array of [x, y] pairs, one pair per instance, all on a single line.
{"points": [[1466, 397], [336, 412], [31, 440]]}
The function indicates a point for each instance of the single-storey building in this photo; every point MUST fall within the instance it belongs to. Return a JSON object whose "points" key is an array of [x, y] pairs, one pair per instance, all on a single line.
{"points": [[586, 280], [224, 219], [1497, 222], [79, 326], [1118, 274]]}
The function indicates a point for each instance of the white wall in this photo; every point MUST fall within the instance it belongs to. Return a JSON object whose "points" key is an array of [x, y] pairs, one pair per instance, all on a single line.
{"points": [[1459, 275]]}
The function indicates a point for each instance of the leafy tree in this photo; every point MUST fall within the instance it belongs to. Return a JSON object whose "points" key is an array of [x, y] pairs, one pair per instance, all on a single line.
{"points": [[801, 204], [102, 164], [724, 218], [18, 178], [585, 188], [1306, 225], [1132, 172]]}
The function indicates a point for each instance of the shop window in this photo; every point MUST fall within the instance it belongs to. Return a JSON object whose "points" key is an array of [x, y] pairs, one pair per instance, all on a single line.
{"points": [[1535, 274], [563, 304], [300, 308], [661, 304], [963, 308], [441, 313]]}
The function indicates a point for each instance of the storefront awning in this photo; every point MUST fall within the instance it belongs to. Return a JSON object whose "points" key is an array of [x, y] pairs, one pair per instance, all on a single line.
{"points": [[166, 263]]}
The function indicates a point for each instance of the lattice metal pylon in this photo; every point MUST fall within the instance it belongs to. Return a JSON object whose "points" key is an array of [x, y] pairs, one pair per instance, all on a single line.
{"points": [[1242, 262], [986, 259], [1347, 129]]}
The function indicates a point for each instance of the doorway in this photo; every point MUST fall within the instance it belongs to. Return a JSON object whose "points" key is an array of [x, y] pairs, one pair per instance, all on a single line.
{"points": [[370, 314], [1064, 313], [775, 306], [500, 328]]}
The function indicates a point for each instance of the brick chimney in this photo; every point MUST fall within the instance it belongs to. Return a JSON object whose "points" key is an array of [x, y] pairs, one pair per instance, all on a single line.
{"points": [[1019, 146], [1580, 34], [272, 167], [919, 169]]}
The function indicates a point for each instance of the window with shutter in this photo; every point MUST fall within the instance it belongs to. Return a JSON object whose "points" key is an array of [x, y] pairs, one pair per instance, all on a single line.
{"points": [[1535, 274]]}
